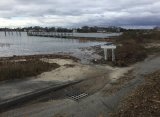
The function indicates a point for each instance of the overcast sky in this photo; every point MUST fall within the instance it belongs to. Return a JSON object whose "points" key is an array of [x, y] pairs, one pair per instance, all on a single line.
{"points": [[74, 13]]}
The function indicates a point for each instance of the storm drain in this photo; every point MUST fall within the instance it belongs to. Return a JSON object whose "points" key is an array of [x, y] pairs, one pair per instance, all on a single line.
{"points": [[78, 97], [76, 94]]}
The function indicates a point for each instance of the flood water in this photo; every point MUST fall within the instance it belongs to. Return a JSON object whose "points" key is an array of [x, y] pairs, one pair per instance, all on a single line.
{"points": [[15, 44]]}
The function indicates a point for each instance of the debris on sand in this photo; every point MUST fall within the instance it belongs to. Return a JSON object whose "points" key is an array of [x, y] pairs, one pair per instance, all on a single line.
{"points": [[144, 101]]}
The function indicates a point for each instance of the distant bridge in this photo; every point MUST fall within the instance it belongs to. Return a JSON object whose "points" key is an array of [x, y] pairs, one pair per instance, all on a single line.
{"points": [[51, 34]]}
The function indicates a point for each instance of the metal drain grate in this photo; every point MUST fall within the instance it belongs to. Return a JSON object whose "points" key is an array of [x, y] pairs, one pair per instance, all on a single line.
{"points": [[78, 97]]}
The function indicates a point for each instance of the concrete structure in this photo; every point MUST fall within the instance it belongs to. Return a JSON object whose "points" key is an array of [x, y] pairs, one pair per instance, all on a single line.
{"points": [[106, 48]]}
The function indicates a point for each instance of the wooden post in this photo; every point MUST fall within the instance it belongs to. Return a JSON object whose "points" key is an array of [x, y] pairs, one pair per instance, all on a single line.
{"points": [[16, 32], [12, 32], [8, 32], [5, 32], [20, 33], [106, 48], [105, 54], [113, 55]]}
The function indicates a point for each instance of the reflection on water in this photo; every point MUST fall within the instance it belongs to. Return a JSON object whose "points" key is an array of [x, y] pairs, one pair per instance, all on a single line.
{"points": [[15, 44], [4, 45], [97, 35]]}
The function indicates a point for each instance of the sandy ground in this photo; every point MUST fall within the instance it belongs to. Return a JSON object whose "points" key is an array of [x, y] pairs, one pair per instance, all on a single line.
{"points": [[95, 78], [79, 71], [69, 70], [66, 73], [95, 105]]}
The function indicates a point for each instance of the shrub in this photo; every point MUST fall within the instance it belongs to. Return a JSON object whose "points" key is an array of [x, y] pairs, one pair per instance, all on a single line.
{"points": [[23, 69], [129, 52]]}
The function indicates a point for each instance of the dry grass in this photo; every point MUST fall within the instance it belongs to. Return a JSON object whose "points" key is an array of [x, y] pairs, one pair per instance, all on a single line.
{"points": [[132, 47], [129, 52], [22, 69]]}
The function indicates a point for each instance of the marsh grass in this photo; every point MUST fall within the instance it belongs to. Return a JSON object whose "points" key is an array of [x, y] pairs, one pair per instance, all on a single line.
{"points": [[17, 70], [129, 53]]}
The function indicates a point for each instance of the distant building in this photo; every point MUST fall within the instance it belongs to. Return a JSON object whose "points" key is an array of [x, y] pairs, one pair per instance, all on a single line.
{"points": [[157, 28], [74, 30], [101, 31]]}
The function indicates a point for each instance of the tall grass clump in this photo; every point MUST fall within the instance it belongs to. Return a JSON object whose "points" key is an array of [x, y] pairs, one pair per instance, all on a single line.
{"points": [[129, 52], [22, 69]]}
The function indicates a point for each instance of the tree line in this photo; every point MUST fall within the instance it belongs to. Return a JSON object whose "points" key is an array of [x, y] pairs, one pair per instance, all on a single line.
{"points": [[84, 29]]}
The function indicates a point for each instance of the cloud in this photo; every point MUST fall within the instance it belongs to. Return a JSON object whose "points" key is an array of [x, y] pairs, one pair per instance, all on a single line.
{"points": [[19, 13]]}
